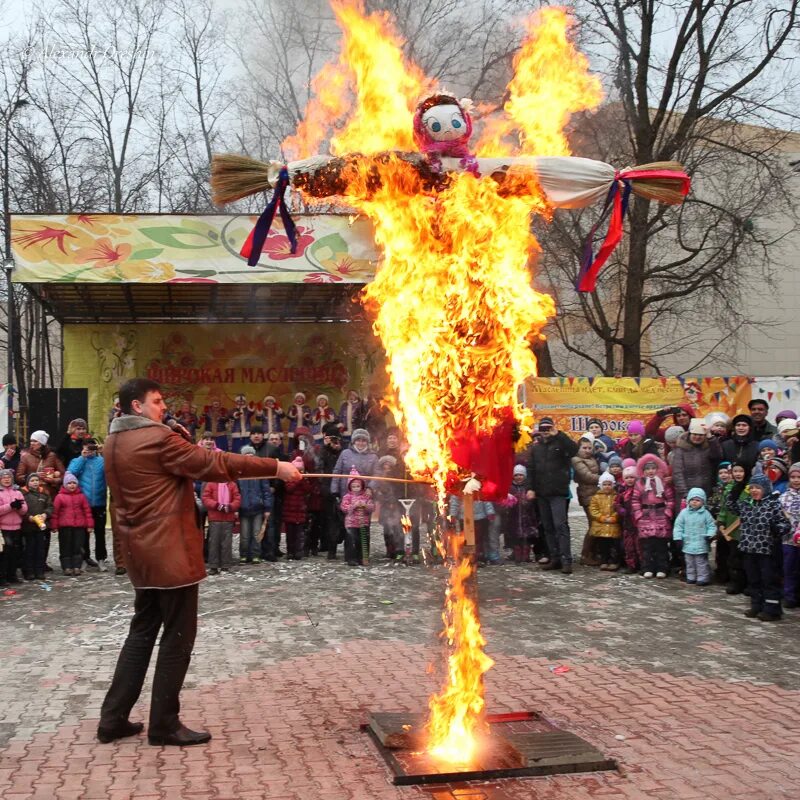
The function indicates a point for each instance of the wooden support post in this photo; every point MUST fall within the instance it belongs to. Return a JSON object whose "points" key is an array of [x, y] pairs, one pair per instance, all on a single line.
{"points": [[469, 524]]}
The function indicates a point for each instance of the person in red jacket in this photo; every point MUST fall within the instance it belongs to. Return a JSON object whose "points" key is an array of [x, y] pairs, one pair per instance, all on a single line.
{"points": [[681, 415], [72, 518], [222, 500], [295, 514]]}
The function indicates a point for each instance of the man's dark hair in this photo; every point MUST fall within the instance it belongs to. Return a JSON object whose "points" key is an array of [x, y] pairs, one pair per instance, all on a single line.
{"points": [[135, 389], [256, 429]]}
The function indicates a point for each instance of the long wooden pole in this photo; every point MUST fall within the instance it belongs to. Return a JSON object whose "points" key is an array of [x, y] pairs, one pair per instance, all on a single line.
{"points": [[366, 478]]}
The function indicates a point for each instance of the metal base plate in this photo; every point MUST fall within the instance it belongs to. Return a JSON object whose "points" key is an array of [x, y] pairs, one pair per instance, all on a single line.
{"points": [[520, 744]]}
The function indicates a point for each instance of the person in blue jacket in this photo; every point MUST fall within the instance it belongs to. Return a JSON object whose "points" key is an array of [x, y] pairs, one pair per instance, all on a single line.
{"points": [[89, 469], [253, 513]]}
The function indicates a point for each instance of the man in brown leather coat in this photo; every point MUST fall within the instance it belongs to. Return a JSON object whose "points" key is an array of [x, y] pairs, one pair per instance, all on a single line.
{"points": [[150, 468]]}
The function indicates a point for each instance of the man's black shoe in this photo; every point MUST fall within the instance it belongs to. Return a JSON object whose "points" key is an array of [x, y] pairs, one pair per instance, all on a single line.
{"points": [[183, 737], [106, 735], [551, 566]]}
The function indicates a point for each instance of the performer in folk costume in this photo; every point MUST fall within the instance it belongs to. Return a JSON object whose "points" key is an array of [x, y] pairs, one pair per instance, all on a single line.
{"points": [[215, 421], [241, 421], [442, 128], [188, 418], [271, 415], [352, 415], [321, 416], [299, 414]]}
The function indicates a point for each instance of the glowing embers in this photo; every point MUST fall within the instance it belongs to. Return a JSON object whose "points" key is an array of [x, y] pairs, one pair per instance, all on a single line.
{"points": [[516, 745]]}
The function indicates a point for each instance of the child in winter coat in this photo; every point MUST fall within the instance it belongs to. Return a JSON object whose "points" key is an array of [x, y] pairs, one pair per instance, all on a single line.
{"points": [[586, 471], [695, 528], [653, 504], [295, 514], [605, 527], [763, 527], [623, 505], [357, 507], [12, 511], [483, 514], [222, 501], [34, 525], [772, 465], [72, 518], [790, 503], [729, 529], [521, 523], [89, 469], [254, 511], [389, 509]]}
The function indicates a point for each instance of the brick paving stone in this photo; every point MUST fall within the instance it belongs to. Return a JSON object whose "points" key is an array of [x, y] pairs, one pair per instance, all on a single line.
{"points": [[690, 697]]}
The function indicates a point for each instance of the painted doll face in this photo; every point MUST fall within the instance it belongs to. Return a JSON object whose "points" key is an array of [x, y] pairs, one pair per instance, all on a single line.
{"points": [[444, 123]]}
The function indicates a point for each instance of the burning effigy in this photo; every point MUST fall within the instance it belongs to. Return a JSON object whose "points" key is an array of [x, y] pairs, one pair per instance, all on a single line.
{"points": [[452, 301]]}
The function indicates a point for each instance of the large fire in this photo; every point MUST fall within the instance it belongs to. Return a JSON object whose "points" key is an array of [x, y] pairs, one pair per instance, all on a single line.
{"points": [[452, 302]]}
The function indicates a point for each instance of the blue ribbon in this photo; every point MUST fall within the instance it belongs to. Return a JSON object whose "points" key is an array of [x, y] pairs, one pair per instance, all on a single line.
{"points": [[264, 223]]}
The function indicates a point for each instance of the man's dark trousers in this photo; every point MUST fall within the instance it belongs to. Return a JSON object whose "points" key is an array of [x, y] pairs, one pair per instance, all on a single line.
{"points": [[176, 611], [553, 513]]}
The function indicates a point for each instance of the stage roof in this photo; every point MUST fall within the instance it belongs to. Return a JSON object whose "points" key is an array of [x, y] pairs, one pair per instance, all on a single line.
{"points": [[179, 268]]}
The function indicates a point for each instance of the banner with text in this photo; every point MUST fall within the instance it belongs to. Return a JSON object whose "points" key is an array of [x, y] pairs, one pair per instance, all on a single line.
{"points": [[200, 363], [572, 402]]}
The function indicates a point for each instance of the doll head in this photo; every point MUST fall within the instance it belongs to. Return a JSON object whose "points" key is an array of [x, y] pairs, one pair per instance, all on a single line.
{"points": [[442, 125]]}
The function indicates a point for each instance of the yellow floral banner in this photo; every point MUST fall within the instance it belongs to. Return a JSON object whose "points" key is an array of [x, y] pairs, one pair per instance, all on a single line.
{"points": [[196, 364], [573, 401], [165, 248]]}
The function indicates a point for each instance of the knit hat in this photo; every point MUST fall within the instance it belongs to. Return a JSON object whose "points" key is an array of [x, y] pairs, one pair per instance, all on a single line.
{"points": [[354, 476], [696, 494], [69, 478], [795, 467], [595, 421], [761, 480], [248, 450], [636, 427], [672, 433], [9, 439], [615, 461], [519, 469], [716, 417], [724, 465], [80, 422], [698, 427], [771, 443], [298, 463], [589, 436], [788, 414], [360, 433], [606, 477], [629, 472], [33, 475], [390, 460], [742, 418], [40, 436], [786, 425], [9, 472], [628, 462]]}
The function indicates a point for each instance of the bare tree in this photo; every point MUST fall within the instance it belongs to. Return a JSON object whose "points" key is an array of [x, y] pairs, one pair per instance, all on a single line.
{"points": [[705, 95]]}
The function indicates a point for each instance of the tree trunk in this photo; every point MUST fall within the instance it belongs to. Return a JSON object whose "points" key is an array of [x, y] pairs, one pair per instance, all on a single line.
{"points": [[634, 289], [544, 361]]}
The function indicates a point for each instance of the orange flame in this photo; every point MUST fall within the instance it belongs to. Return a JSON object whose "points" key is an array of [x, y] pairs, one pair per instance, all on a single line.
{"points": [[452, 302], [551, 82]]}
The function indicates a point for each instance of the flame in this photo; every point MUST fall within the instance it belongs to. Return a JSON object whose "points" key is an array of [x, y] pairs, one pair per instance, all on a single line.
{"points": [[454, 724], [551, 82], [452, 302]]}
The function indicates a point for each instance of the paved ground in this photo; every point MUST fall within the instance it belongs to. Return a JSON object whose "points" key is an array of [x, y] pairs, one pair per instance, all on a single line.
{"points": [[694, 700]]}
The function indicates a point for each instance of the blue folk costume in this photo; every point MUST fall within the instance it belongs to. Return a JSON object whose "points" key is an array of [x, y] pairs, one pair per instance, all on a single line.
{"points": [[241, 422], [215, 421], [321, 416], [270, 417], [299, 414]]}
